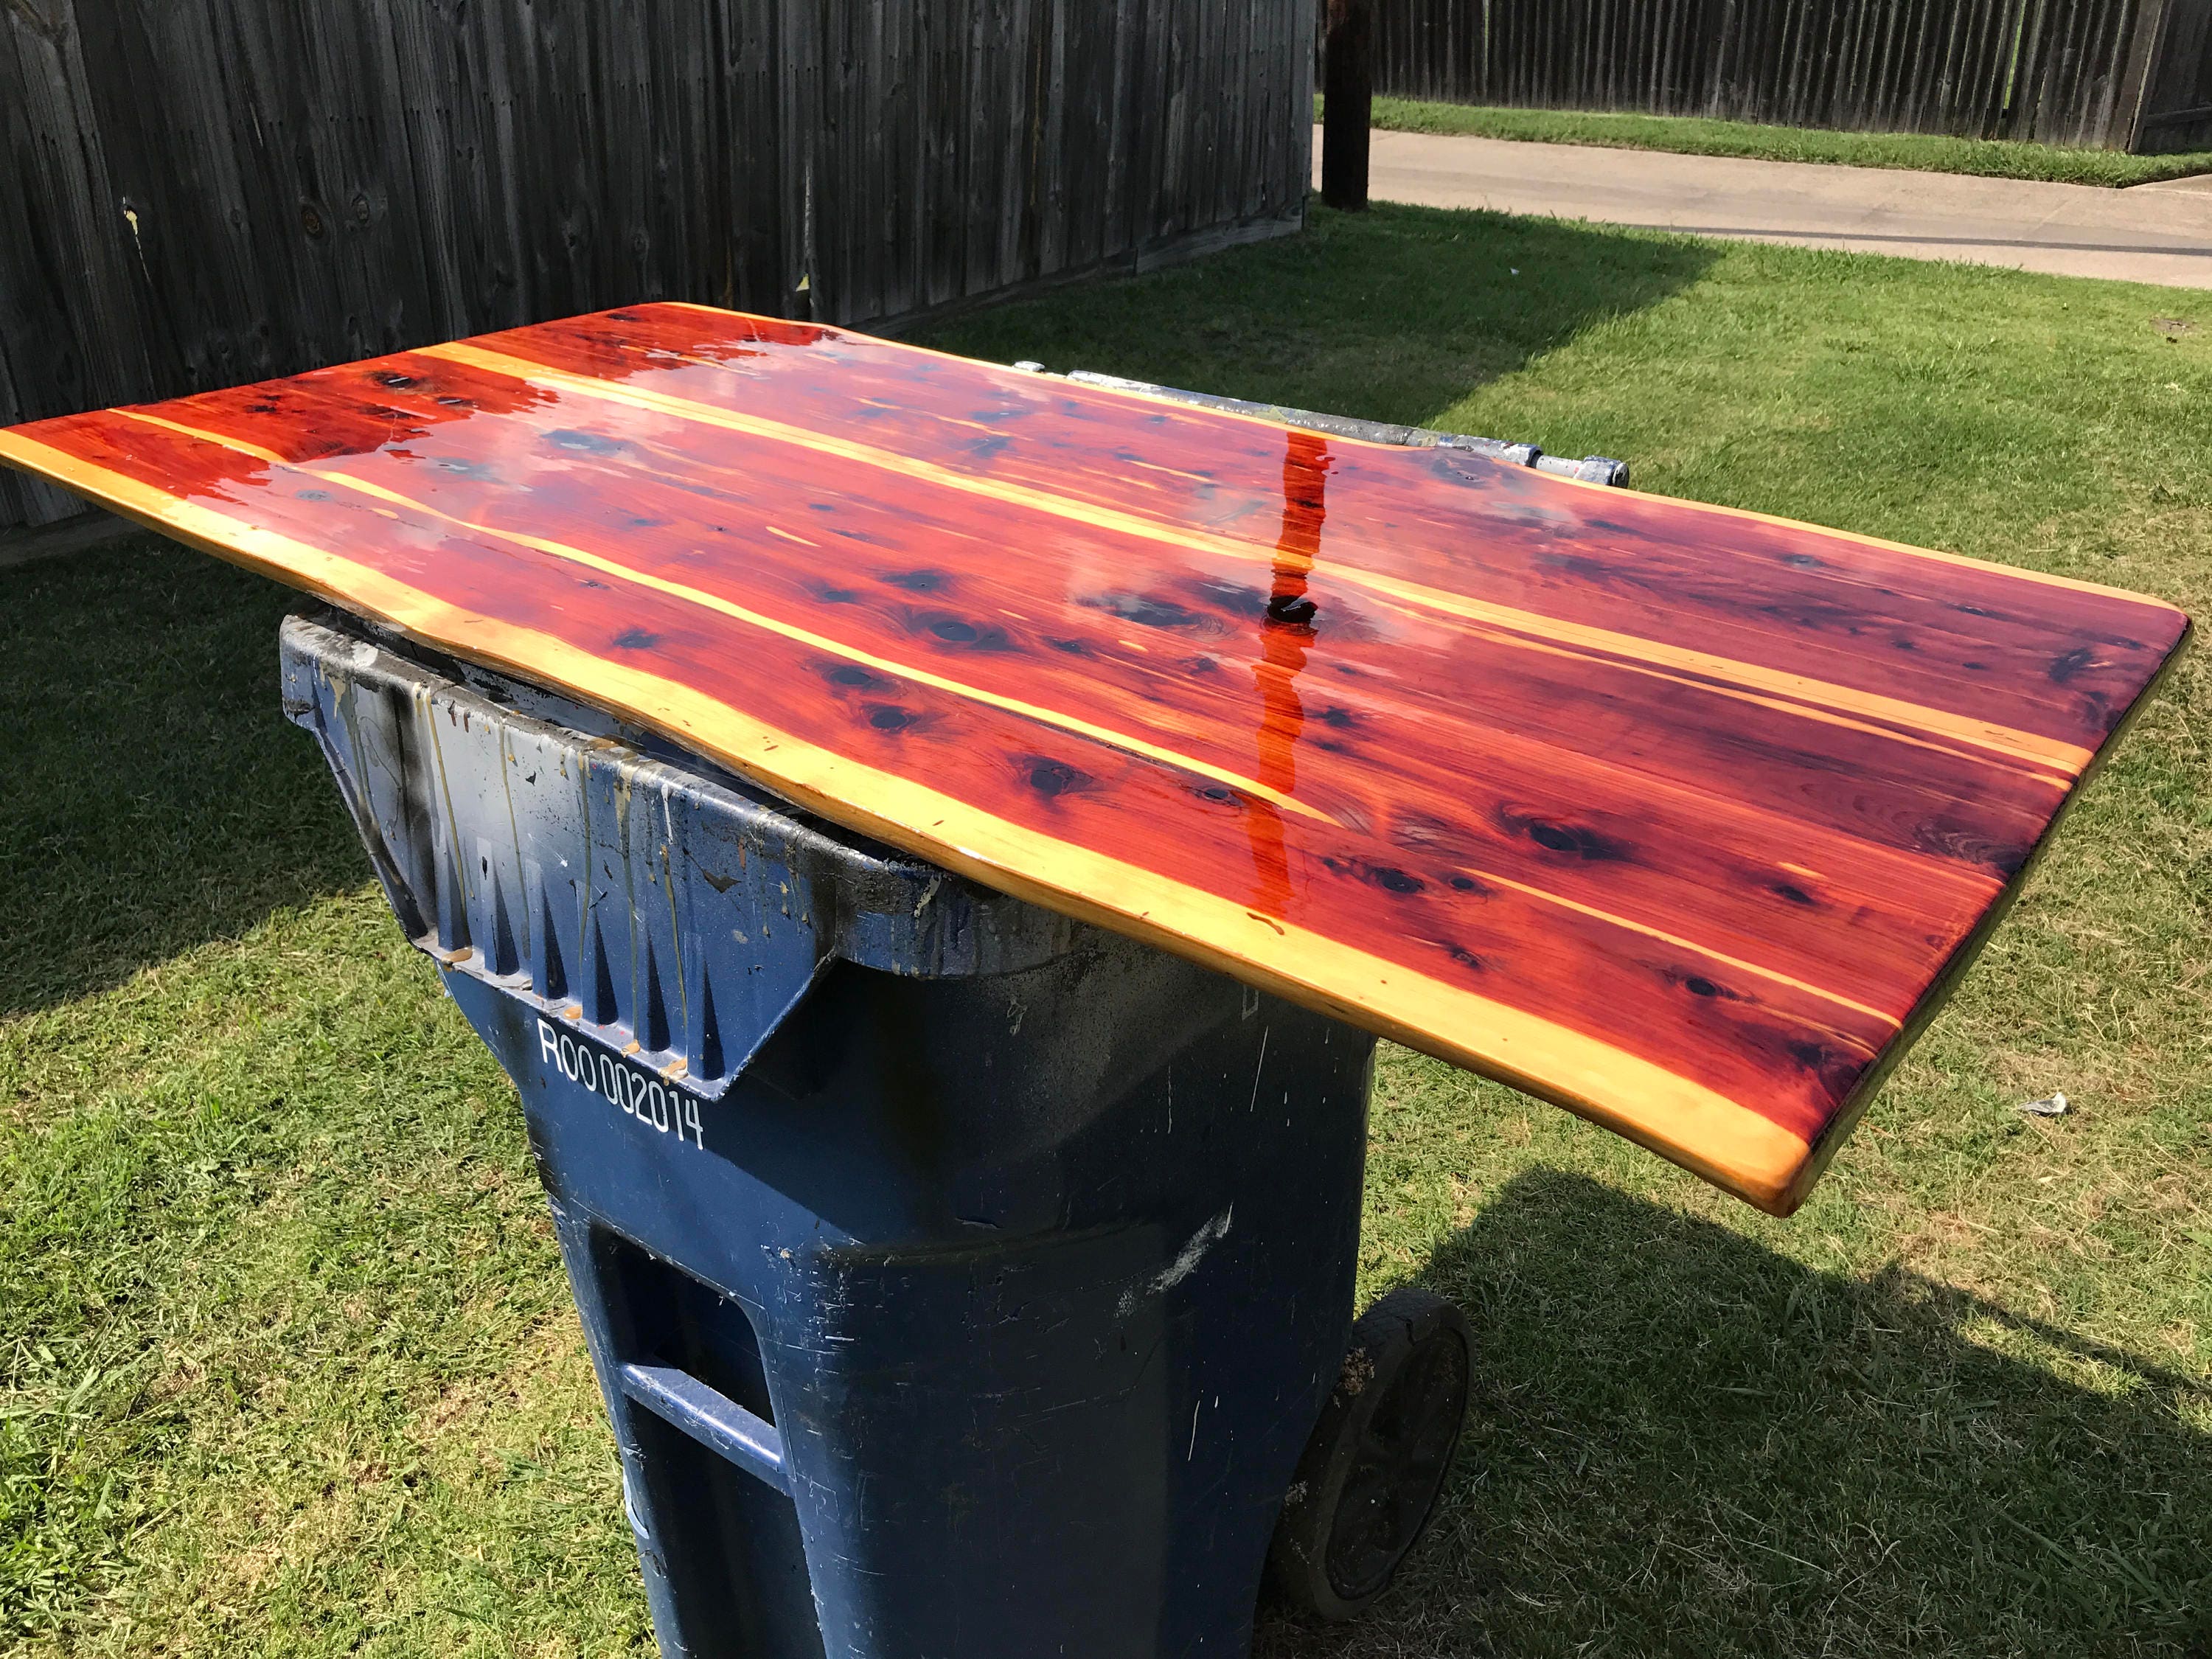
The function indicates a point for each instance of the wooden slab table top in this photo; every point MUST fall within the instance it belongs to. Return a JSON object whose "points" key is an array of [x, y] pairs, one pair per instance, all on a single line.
{"points": [[1680, 817]]}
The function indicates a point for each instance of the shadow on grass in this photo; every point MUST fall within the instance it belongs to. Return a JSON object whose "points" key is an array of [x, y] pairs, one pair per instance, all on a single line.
{"points": [[155, 796], [1684, 1443], [1394, 314]]}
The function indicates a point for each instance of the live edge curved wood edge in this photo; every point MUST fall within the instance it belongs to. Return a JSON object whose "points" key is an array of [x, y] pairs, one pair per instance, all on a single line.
{"points": [[1682, 817]]}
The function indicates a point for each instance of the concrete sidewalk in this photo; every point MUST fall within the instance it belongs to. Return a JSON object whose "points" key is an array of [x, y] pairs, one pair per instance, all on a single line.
{"points": [[2152, 234]]}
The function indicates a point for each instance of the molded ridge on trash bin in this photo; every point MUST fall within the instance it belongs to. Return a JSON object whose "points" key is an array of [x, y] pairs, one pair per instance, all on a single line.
{"points": [[631, 900], [1681, 816]]}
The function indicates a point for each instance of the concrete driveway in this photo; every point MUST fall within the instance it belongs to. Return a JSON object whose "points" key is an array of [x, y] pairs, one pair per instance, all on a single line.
{"points": [[2152, 234]]}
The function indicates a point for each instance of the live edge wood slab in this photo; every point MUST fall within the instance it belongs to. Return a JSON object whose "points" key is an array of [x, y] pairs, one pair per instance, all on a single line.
{"points": [[1679, 817]]}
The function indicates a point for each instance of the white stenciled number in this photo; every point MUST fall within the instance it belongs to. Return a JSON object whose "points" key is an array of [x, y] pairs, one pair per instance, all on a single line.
{"points": [[646, 1098]]}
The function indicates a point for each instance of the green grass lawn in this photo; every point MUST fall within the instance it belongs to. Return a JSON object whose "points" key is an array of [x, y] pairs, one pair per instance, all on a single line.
{"points": [[289, 1366], [1996, 158]]}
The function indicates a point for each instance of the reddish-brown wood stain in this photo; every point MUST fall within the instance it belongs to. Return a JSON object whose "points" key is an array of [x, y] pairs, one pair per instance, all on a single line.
{"points": [[1678, 816]]}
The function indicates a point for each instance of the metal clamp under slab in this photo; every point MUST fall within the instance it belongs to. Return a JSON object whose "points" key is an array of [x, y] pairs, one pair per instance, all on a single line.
{"points": [[1591, 469]]}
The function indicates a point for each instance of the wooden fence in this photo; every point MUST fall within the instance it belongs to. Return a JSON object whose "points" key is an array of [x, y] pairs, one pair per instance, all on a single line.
{"points": [[2117, 74], [2177, 106], [207, 191]]}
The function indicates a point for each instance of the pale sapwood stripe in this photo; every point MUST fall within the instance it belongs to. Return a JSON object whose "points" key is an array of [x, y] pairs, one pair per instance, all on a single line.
{"points": [[2042, 772], [2022, 745], [1723, 1140], [1070, 723], [736, 612], [1199, 413]]}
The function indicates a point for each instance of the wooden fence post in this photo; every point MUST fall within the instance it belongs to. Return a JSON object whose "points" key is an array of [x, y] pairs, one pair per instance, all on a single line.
{"points": [[2138, 78], [1348, 92]]}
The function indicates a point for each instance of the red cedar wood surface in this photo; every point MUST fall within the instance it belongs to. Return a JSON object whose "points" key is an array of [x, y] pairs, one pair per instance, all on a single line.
{"points": [[1680, 817]]}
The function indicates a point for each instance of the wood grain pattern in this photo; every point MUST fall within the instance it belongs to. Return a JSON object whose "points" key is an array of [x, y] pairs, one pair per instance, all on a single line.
{"points": [[1680, 817]]}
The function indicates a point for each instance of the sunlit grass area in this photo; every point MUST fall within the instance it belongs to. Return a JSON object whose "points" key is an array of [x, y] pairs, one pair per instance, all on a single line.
{"points": [[288, 1358]]}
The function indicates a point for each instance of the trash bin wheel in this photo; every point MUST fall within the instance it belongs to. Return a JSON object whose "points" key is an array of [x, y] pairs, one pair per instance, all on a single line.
{"points": [[1370, 1475]]}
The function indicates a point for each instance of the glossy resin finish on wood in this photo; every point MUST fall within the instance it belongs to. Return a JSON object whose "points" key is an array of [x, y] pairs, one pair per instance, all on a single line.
{"points": [[1677, 815]]}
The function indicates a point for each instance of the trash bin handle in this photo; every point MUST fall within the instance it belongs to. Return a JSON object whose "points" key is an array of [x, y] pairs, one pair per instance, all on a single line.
{"points": [[711, 1417]]}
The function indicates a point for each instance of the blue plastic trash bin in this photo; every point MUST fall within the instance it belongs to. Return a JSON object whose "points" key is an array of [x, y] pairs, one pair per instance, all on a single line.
{"points": [[962, 1280]]}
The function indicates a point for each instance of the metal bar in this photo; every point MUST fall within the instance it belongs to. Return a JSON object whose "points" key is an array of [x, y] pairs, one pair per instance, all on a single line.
{"points": [[709, 1417], [1592, 469]]}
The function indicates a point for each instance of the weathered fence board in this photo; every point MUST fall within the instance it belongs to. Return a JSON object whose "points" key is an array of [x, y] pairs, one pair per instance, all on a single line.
{"points": [[2175, 76], [204, 192], [2120, 74]]}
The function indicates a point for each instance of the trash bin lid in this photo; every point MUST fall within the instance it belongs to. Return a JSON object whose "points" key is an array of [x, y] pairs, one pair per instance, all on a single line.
{"points": [[1681, 816]]}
